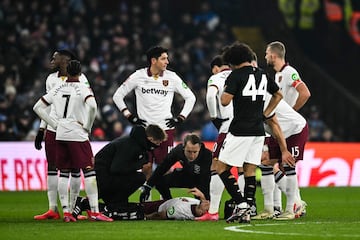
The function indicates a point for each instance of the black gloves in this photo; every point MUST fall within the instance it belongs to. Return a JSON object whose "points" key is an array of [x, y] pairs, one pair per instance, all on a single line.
{"points": [[39, 138], [174, 122], [145, 192], [218, 121], [136, 120]]}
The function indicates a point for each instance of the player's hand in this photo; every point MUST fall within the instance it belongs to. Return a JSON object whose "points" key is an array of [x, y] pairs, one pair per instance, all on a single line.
{"points": [[136, 120], [288, 159], [145, 192], [39, 138], [218, 121], [174, 122]]}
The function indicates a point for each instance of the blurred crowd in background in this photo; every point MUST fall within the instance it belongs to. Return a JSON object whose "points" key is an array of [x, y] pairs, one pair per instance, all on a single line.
{"points": [[110, 39]]}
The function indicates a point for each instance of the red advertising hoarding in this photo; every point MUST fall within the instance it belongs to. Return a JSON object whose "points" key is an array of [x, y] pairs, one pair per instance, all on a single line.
{"points": [[23, 168]]}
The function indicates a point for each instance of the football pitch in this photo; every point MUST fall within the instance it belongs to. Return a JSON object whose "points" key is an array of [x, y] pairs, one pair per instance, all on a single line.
{"points": [[332, 213]]}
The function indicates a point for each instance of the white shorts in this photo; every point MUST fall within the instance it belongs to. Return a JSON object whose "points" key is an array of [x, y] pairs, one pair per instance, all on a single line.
{"points": [[237, 150]]}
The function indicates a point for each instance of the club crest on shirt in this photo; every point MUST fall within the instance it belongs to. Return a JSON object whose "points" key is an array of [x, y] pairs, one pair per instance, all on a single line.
{"points": [[280, 78], [165, 83], [197, 169]]}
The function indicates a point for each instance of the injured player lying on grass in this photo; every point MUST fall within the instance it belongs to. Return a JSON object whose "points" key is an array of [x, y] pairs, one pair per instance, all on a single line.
{"points": [[180, 208]]}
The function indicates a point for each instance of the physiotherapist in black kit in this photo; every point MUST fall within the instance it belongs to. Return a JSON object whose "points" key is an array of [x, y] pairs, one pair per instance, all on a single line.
{"points": [[195, 160], [118, 162]]}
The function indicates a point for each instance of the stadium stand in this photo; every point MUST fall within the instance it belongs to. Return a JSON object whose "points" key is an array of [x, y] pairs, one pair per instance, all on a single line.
{"points": [[111, 37]]}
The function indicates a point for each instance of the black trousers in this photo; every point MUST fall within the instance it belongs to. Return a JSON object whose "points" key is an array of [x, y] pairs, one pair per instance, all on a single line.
{"points": [[180, 179], [116, 189]]}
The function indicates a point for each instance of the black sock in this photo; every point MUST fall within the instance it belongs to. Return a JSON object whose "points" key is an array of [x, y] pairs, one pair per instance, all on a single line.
{"points": [[250, 189], [231, 186]]}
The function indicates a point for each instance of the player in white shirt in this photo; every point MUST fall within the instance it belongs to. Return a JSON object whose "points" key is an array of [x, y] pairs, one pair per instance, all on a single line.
{"points": [[180, 208], [286, 124], [294, 90], [59, 62], [295, 93], [154, 88], [221, 117], [74, 113]]}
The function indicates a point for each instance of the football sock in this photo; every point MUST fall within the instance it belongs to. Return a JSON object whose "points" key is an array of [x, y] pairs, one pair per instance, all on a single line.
{"points": [[267, 187], [280, 180], [63, 190], [52, 191], [241, 182], [75, 182], [91, 190], [291, 187], [216, 190], [231, 186], [250, 189]]}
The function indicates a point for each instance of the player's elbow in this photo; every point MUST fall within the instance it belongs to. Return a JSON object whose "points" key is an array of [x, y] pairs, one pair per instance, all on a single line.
{"points": [[192, 98], [224, 101], [92, 103]]}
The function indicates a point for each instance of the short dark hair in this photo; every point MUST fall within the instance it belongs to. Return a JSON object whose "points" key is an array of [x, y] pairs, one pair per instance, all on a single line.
{"points": [[193, 138], [67, 53], [73, 68], [155, 52], [238, 53], [156, 132], [216, 61]]}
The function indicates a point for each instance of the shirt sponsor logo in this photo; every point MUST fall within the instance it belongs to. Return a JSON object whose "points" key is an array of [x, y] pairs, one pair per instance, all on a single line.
{"points": [[154, 91]]}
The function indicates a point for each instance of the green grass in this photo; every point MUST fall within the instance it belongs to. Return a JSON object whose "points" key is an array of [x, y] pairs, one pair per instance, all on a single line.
{"points": [[333, 213]]}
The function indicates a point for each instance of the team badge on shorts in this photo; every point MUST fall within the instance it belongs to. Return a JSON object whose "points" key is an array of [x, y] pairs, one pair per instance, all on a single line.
{"points": [[165, 82]]}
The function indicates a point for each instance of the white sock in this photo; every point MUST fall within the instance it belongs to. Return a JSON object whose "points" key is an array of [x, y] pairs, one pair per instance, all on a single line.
{"points": [[291, 189], [75, 182], [216, 190], [63, 191], [277, 195], [267, 187], [297, 194], [52, 189], [241, 183], [280, 180], [92, 191]]}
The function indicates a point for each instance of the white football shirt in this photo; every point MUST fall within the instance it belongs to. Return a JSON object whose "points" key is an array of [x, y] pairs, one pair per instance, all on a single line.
{"points": [[219, 111], [179, 208], [154, 95], [291, 122], [288, 79], [52, 80], [68, 103]]}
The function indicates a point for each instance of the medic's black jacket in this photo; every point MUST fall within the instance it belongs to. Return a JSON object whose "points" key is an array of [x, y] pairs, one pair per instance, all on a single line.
{"points": [[125, 154], [198, 169]]}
